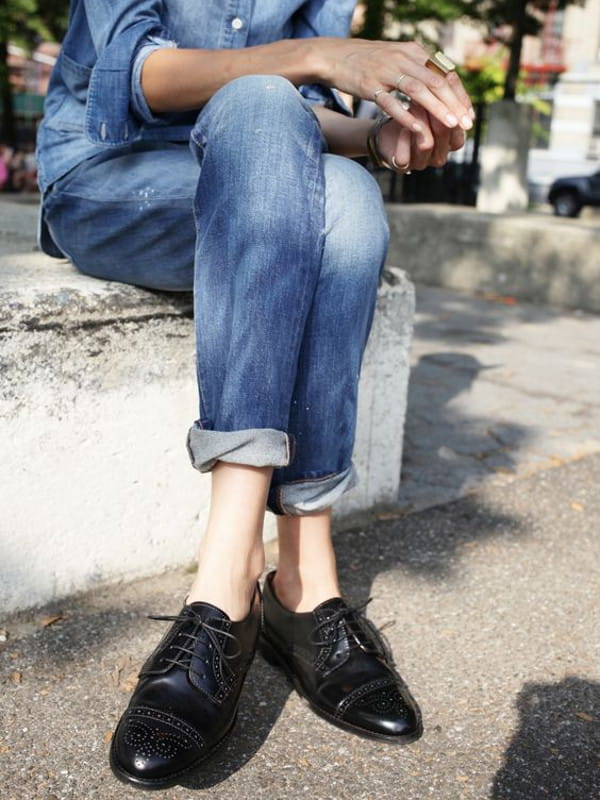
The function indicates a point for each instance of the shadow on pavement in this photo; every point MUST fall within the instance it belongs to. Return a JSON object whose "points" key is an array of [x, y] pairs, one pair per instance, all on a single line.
{"points": [[473, 319], [257, 715], [427, 543], [100, 653], [95, 652], [446, 452], [555, 752]]}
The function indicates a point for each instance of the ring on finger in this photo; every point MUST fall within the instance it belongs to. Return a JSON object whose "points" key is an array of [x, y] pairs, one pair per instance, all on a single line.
{"points": [[399, 80], [403, 168], [440, 63], [377, 92]]}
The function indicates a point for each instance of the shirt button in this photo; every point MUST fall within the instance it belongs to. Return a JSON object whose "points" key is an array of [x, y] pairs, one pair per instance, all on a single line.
{"points": [[237, 23]]}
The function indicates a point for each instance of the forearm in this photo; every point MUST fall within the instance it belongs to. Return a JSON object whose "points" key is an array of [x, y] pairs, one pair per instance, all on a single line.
{"points": [[345, 136], [184, 79]]}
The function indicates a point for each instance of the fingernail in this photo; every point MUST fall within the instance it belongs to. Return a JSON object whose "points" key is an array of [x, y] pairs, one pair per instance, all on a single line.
{"points": [[452, 120], [472, 113], [466, 121]]}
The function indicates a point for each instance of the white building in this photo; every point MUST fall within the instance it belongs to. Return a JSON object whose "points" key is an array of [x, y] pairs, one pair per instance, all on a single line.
{"points": [[562, 66]]}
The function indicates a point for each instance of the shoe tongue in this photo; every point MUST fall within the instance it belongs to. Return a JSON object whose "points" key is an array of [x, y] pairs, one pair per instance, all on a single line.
{"points": [[205, 611], [204, 643], [330, 607]]}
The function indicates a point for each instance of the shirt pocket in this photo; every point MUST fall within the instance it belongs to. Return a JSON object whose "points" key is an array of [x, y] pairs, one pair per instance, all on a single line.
{"points": [[64, 104], [75, 76]]}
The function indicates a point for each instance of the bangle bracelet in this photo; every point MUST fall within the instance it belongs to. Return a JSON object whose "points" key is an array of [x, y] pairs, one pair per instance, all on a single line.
{"points": [[373, 147], [373, 144]]}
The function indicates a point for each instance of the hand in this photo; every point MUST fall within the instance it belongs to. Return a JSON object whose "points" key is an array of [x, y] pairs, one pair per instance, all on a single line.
{"points": [[372, 70], [415, 151]]}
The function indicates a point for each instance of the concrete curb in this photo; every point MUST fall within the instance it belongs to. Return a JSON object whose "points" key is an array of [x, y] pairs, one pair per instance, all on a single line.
{"points": [[533, 257], [97, 394]]}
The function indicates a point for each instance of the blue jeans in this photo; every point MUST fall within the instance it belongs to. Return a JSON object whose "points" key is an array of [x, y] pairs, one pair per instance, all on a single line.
{"points": [[283, 244]]}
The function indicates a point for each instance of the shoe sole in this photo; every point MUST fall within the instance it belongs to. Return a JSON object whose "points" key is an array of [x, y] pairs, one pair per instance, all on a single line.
{"points": [[272, 656], [171, 780]]}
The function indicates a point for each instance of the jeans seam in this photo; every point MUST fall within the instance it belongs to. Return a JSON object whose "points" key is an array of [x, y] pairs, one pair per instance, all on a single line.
{"points": [[313, 480], [279, 503]]}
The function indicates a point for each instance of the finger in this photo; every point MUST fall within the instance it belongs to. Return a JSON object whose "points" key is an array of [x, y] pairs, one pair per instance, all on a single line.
{"points": [[395, 109], [457, 139], [422, 143], [441, 135], [431, 88], [422, 56], [459, 90], [394, 144], [402, 152], [434, 93]]}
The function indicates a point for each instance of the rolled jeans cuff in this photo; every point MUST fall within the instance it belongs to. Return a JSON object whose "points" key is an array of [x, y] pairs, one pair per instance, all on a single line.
{"points": [[312, 495], [254, 447]]}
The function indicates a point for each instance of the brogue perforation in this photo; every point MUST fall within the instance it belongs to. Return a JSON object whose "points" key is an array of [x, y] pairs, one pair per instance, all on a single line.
{"points": [[350, 679], [186, 700]]}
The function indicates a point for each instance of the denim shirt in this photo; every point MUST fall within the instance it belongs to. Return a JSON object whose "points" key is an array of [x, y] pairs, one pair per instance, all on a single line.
{"points": [[95, 100]]}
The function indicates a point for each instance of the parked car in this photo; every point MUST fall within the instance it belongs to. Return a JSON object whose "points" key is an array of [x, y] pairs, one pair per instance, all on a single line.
{"points": [[569, 195]]}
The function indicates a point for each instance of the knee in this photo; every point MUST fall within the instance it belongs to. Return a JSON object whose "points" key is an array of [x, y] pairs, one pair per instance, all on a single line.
{"points": [[356, 227], [257, 132], [256, 87], [252, 100]]}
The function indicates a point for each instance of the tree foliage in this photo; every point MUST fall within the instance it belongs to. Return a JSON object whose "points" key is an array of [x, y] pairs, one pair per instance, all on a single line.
{"points": [[523, 18], [507, 21], [26, 23]]}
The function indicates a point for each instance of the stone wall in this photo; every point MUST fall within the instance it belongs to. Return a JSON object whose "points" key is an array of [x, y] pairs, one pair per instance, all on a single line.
{"points": [[532, 257]]}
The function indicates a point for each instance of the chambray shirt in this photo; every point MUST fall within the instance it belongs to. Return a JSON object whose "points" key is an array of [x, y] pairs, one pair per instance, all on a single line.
{"points": [[95, 100]]}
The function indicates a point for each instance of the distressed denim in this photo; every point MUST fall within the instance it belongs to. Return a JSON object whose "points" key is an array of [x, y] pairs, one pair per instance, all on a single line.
{"points": [[283, 244]]}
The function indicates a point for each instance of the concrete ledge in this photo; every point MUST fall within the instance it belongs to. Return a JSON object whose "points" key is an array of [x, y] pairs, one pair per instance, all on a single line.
{"points": [[98, 390], [533, 257]]}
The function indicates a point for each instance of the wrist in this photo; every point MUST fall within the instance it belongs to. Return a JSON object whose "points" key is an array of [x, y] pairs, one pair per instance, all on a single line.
{"points": [[373, 149], [320, 60]]}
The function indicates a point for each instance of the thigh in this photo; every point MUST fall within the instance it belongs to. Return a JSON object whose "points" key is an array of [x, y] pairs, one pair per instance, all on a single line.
{"points": [[128, 216]]}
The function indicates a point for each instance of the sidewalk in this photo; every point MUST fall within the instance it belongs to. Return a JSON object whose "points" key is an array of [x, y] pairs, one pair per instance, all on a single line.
{"points": [[498, 390], [494, 600]]}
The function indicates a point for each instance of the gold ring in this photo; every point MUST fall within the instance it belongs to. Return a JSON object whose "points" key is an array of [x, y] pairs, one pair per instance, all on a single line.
{"points": [[377, 92], [400, 79], [400, 167], [440, 63]]}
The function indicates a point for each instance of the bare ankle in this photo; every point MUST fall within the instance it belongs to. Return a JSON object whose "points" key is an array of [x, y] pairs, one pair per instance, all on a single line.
{"points": [[307, 574], [303, 593], [227, 584]]}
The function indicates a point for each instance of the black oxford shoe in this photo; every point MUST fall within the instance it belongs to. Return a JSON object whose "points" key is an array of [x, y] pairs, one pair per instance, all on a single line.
{"points": [[187, 697], [338, 662]]}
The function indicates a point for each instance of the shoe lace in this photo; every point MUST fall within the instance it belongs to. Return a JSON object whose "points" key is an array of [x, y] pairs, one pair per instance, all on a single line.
{"points": [[186, 650], [353, 630]]}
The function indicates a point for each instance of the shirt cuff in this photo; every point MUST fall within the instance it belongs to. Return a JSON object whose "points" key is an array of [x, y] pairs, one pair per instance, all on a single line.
{"points": [[109, 117], [324, 96], [139, 104]]}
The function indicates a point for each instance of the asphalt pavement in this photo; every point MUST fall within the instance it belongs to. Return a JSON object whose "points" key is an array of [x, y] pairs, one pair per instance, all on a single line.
{"points": [[485, 579], [490, 604]]}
